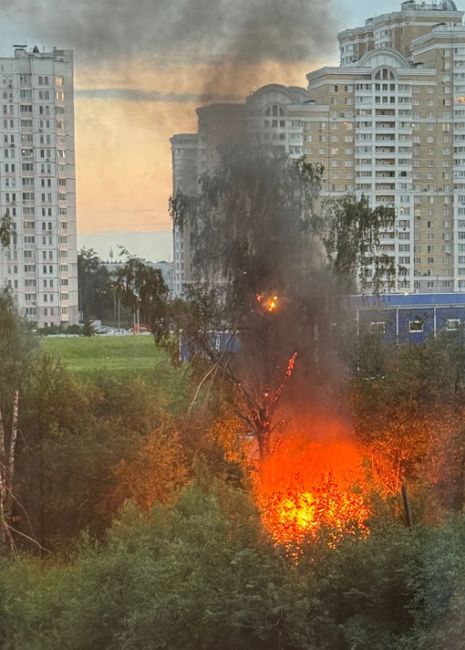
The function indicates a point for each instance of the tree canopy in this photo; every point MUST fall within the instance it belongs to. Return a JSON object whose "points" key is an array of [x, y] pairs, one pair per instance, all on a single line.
{"points": [[95, 295], [270, 263]]}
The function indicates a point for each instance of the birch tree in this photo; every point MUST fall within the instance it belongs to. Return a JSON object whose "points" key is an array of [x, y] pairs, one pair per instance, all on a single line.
{"points": [[260, 279], [270, 261], [16, 351]]}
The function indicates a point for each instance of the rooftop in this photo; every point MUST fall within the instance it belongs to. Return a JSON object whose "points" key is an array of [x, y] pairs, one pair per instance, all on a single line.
{"points": [[444, 5]]}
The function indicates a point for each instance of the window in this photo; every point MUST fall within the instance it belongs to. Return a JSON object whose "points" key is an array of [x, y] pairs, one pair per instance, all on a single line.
{"points": [[378, 327], [415, 326], [452, 324], [274, 111]]}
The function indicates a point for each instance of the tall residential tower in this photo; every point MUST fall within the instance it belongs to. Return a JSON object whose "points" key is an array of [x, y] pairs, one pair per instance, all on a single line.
{"points": [[37, 184], [389, 123]]}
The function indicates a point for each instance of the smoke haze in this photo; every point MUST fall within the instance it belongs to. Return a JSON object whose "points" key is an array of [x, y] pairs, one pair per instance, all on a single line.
{"points": [[250, 31], [142, 66]]}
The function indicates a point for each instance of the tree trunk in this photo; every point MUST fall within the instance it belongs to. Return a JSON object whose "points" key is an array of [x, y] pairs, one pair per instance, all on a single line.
{"points": [[12, 452], [7, 469], [263, 436], [3, 485], [5, 534]]}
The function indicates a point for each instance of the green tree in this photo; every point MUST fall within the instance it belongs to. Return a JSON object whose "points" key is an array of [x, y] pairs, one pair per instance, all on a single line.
{"points": [[408, 407], [143, 291], [73, 436], [198, 574], [95, 294], [352, 239]]}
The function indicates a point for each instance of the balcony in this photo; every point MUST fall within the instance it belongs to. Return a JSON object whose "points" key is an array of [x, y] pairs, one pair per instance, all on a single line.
{"points": [[381, 187], [385, 162], [380, 139]]}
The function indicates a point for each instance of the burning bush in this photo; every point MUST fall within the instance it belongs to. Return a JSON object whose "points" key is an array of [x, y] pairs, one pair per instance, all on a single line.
{"points": [[304, 487]]}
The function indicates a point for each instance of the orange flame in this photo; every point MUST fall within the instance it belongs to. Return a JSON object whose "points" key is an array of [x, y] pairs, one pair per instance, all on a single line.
{"points": [[268, 302], [304, 487]]}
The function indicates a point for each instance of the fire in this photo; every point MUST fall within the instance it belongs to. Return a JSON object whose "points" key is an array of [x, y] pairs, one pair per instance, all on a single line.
{"points": [[304, 487], [269, 302]]}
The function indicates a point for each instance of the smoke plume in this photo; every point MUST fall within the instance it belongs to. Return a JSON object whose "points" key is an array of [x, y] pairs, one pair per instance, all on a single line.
{"points": [[212, 32]]}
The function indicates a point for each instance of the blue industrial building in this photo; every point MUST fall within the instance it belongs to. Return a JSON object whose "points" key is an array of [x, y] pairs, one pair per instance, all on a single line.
{"points": [[408, 318], [397, 318]]}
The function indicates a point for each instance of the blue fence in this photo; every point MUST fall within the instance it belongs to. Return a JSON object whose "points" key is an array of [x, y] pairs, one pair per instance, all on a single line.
{"points": [[410, 318], [220, 341]]}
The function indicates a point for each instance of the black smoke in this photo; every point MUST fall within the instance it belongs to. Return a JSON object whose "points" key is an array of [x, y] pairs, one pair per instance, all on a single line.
{"points": [[248, 31]]}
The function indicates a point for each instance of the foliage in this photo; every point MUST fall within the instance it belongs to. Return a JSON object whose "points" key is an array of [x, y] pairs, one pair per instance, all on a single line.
{"points": [[17, 349], [88, 329], [142, 289], [5, 230], [201, 574], [250, 213], [73, 436], [18, 346], [254, 227], [265, 283], [366, 587], [196, 575], [352, 240], [95, 296], [60, 329], [437, 608], [153, 473], [408, 408]]}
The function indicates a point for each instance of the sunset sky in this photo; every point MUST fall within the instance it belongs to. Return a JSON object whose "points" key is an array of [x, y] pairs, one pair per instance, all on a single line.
{"points": [[142, 67]]}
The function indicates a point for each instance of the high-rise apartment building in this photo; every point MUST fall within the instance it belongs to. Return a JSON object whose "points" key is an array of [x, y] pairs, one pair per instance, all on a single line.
{"points": [[218, 124], [389, 123], [37, 184]]}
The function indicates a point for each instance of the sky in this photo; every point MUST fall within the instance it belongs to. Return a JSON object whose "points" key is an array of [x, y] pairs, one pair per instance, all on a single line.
{"points": [[141, 69]]}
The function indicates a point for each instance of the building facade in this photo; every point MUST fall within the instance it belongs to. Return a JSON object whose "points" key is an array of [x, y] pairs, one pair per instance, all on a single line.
{"points": [[184, 151], [387, 123], [394, 133], [218, 124], [407, 319], [37, 184]]}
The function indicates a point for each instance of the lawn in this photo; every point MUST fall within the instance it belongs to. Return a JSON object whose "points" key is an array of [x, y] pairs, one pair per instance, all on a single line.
{"points": [[87, 355], [123, 358]]}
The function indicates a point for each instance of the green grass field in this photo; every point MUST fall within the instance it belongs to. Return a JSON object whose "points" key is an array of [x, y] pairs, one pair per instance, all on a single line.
{"points": [[114, 354], [124, 358]]}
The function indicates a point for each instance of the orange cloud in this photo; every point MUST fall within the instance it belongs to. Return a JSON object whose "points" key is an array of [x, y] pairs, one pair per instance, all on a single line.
{"points": [[122, 147]]}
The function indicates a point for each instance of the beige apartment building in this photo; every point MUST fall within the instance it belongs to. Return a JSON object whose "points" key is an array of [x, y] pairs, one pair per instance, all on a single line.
{"points": [[388, 122]]}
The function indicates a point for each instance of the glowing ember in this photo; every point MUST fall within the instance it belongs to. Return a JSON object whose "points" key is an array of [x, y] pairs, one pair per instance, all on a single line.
{"points": [[291, 365], [307, 486], [268, 302]]}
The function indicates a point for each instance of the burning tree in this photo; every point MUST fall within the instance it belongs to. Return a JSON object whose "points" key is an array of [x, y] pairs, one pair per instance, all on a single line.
{"points": [[267, 263]]}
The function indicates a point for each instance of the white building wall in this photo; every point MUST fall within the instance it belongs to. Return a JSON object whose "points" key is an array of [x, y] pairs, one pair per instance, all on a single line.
{"points": [[38, 184]]}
